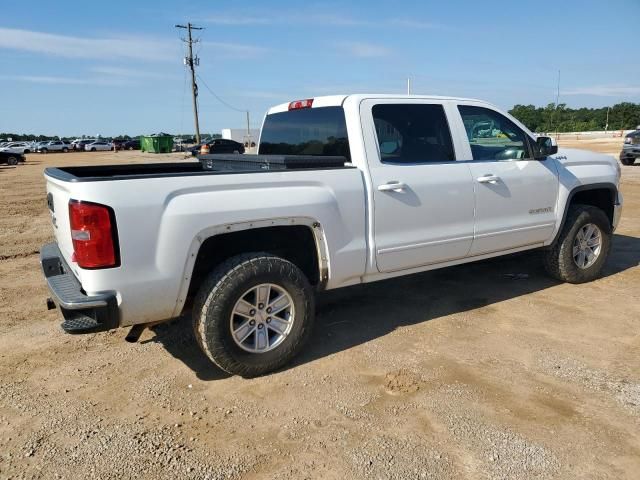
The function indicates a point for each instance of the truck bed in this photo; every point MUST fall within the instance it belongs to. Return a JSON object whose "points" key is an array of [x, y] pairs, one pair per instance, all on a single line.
{"points": [[208, 165]]}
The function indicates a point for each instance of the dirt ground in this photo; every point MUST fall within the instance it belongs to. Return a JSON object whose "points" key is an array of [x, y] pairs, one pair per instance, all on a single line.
{"points": [[488, 370]]}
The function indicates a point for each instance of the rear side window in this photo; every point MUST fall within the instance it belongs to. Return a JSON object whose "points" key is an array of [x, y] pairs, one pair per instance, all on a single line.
{"points": [[412, 133], [493, 136], [307, 131]]}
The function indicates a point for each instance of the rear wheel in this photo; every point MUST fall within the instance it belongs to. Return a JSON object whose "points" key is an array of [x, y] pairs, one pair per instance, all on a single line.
{"points": [[582, 247], [253, 314], [65, 150], [12, 161], [43, 150], [93, 149], [627, 161]]}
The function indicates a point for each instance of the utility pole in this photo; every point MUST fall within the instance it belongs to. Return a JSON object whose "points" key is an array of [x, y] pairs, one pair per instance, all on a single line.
{"points": [[606, 127], [248, 130], [192, 62]]}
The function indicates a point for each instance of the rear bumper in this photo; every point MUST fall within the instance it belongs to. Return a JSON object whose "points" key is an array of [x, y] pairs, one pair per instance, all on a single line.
{"points": [[82, 313]]}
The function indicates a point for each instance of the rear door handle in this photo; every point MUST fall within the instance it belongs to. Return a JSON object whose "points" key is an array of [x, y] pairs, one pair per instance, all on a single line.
{"points": [[488, 178], [393, 186]]}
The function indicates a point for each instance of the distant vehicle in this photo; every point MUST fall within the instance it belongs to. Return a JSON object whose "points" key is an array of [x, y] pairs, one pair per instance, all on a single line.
{"points": [[54, 146], [11, 158], [133, 144], [79, 143], [631, 148], [98, 145], [219, 145], [18, 147]]}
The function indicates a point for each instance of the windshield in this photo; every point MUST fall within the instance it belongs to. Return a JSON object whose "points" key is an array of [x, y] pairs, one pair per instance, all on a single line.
{"points": [[307, 131]]}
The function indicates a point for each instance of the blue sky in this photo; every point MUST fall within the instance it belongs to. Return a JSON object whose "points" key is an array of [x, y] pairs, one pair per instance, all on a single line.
{"points": [[71, 67]]}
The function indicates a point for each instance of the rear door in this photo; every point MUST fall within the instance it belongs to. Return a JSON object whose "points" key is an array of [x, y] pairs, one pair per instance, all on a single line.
{"points": [[515, 194], [423, 198]]}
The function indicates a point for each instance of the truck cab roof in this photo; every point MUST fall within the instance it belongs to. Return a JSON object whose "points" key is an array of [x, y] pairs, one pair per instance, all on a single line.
{"points": [[338, 100]]}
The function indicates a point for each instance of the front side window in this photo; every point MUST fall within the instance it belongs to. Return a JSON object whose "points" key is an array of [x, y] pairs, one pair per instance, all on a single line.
{"points": [[493, 136], [412, 133]]}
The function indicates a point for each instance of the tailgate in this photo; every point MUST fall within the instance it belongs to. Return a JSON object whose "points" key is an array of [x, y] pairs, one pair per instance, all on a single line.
{"points": [[58, 195]]}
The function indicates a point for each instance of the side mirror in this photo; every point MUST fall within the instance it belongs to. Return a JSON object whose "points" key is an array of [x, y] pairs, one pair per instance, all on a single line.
{"points": [[544, 147]]}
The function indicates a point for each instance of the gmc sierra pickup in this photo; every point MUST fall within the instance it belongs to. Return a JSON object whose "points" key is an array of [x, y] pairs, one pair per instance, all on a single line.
{"points": [[243, 244]]}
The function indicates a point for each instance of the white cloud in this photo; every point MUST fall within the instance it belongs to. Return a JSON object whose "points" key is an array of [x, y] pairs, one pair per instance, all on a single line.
{"points": [[132, 48], [363, 50], [77, 47], [56, 80], [129, 72], [317, 19], [235, 49], [236, 20], [604, 91]]}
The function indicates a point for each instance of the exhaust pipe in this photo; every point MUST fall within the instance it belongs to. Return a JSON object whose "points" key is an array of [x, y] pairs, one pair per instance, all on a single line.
{"points": [[134, 334]]}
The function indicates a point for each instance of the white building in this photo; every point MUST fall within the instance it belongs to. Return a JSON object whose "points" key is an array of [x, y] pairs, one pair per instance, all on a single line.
{"points": [[241, 135]]}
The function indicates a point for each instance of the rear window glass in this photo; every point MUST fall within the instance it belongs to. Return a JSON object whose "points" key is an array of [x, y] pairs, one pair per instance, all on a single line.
{"points": [[307, 131]]}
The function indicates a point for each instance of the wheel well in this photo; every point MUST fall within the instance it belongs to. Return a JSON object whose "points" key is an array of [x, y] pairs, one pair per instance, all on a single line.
{"points": [[602, 198], [295, 243]]}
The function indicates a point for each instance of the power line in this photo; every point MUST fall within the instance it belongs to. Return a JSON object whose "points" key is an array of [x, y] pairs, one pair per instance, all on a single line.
{"points": [[191, 62], [226, 104]]}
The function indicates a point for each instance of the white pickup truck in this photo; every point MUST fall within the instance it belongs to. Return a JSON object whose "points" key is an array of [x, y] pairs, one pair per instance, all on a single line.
{"points": [[423, 183]]}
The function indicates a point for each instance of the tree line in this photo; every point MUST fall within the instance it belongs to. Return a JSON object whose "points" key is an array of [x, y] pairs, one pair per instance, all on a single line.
{"points": [[622, 116]]}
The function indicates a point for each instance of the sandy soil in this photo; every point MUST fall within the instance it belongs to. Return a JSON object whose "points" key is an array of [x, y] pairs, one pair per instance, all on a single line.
{"points": [[468, 372]]}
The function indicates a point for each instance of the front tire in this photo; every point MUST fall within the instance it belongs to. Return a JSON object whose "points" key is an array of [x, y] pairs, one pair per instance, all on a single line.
{"points": [[253, 314], [582, 247], [627, 161], [13, 161]]}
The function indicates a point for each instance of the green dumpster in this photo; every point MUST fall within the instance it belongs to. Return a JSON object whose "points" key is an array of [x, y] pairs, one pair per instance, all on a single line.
{"points": [[158, 143]]}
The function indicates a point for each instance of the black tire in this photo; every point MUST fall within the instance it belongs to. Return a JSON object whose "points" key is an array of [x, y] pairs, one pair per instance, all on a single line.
{"points": [[26, 151], [12, 161], [44, 150], [218, 295], [558, 260], [627, 161], [93, 149], [65, 150]]}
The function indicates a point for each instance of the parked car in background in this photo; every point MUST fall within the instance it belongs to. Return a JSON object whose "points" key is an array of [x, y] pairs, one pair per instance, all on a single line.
{"points": [[133, 144], [18, 147], [219, 145], [631, 148], [11, 158], [54, 146], [79, 143], [98, 145]]}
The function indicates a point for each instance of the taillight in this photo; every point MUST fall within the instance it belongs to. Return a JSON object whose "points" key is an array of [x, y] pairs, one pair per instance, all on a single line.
{"points": [[93, 231], [308, 103]]}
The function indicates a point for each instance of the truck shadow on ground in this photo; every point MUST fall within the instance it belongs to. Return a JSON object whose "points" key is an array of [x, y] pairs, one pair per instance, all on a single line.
{"points": [[355, 315]]}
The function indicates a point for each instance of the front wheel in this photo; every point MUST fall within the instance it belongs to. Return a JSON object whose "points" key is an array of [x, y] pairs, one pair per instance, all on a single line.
{"points": [[65, 150], [12, 161], [582, 247], [627, 160], [253, 314]]}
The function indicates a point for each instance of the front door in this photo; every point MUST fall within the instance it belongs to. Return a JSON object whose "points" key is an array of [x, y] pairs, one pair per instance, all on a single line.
{"points": [[423, 199], [515, 194]]}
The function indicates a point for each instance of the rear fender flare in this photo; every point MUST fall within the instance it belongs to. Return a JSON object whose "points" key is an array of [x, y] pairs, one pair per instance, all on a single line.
{"points": [[322, 250]]}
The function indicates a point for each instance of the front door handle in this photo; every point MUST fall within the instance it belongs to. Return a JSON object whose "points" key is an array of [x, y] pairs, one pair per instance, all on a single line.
{"points": [[488, 178], [393, 186]]}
